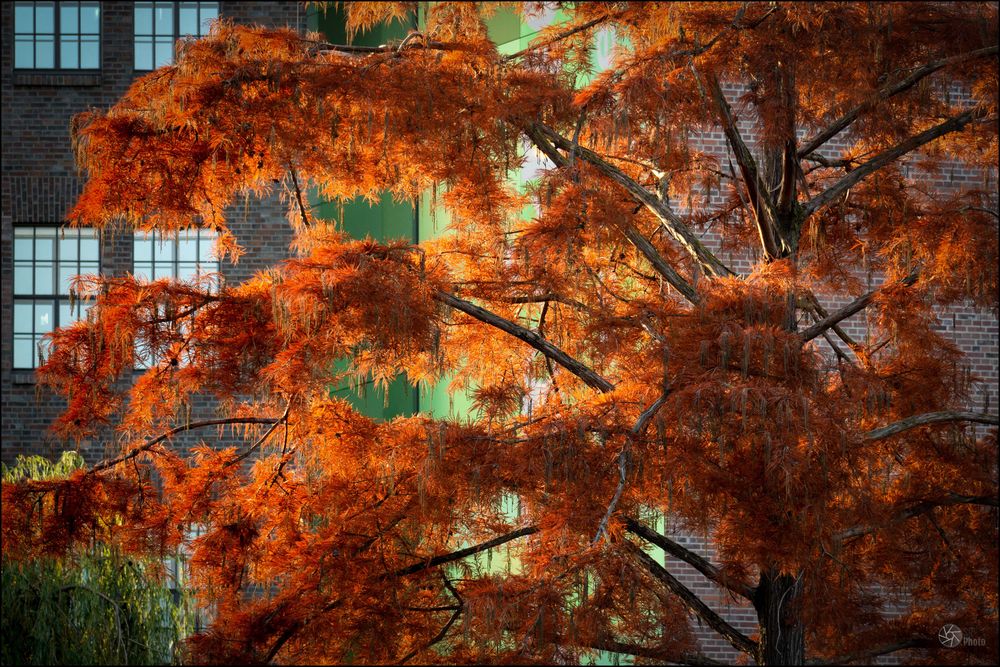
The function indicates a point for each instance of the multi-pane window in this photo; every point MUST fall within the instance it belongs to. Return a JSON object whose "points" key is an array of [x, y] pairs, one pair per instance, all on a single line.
{"points": [[186, 257], [46, 259], [57, 35], [159, 24]]}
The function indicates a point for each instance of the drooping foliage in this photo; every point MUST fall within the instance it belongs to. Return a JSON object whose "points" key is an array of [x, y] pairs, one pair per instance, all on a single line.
{"points": [[719, 380], [93, 607]]}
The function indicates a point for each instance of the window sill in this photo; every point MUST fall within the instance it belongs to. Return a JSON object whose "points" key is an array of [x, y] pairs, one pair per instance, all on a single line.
{"points": [[57, 78]]}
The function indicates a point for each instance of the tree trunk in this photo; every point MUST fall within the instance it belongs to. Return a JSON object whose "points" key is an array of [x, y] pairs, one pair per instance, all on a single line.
{"points": [[782, 636]]}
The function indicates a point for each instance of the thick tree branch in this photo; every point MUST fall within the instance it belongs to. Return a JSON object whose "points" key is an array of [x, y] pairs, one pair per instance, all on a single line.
{"points": [[739, 641], [884, 93], [853, 307], [710, 571], [760, 199], [589, 377], [930, 418], [885, 157], [674, 225]]}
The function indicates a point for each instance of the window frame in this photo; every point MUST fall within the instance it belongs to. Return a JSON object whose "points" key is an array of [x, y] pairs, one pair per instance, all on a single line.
{"points": [[175, 27], [57, 67], [56, 298]]}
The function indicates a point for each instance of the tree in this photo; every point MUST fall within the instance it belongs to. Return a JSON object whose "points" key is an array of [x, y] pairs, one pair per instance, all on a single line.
{"points": [[94, 608], [842, 477]]}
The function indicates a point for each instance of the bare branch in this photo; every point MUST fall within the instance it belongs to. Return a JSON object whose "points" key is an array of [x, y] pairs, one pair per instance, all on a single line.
{"points": [[885, 157], [930, 418], [884, 93], [853, 307], [710, 571], [739, 641], [589, 377]]}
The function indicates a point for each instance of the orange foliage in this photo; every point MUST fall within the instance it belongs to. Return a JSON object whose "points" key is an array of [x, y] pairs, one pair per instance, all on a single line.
{"points": [[656, 377]]}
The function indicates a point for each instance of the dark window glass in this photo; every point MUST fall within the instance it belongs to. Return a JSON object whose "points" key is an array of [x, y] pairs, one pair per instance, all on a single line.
{"points": [[57, 35], [159, 24]]}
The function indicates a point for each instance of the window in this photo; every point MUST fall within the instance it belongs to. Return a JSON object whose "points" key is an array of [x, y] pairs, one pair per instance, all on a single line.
{"points": [[57, 35], [183, 258], [46, 259], [186, 257], [159, 24]]}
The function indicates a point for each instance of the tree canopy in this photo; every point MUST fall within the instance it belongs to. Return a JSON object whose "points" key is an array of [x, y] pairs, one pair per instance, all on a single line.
{"points": [[849, 487]]}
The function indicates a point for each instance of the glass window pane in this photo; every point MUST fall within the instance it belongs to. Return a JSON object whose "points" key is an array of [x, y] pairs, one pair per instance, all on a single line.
{"points": [[23, 248], [163, 271], [44, 53], [209, 12], [24, 352], [90, 18], [69, 15], [164, 52], [65, 316], [45, 18], [43, 278], [143, 18], [165, 250], [24, 17], [205, 247], [188, 18], [142, 249], [187, 248], [143, 271], [90, 54], [89, 250], [68, 247], [69, 53], [186, 271], [22, 279], [24, 53], [23, 314], [143, 53], [66, 274], [164, 18], [89, 268], [42, 347], [45, 243], [44, 318]]}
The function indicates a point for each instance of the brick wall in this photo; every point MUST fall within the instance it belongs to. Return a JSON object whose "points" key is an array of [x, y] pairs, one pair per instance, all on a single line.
{"points": [[40, 183]]}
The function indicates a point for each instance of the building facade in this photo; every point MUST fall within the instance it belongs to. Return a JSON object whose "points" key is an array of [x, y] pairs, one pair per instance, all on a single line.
{"points": [[61, 58]]}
